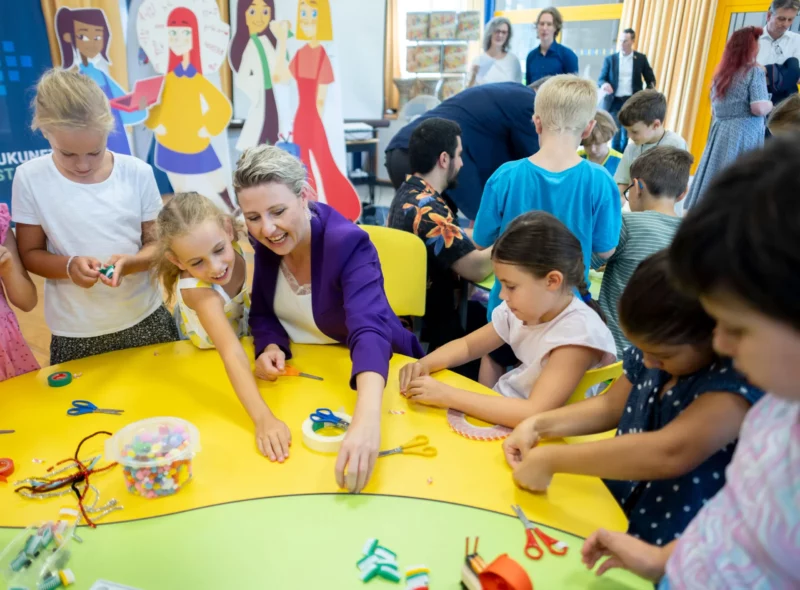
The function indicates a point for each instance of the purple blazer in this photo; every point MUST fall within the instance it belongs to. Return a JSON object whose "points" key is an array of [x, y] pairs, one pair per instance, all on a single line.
{"points": [[347, 296]]}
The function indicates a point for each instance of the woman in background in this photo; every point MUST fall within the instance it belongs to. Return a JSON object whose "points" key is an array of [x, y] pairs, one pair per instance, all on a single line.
{"points": [[258, 58], [496, 63], [739, 100]]}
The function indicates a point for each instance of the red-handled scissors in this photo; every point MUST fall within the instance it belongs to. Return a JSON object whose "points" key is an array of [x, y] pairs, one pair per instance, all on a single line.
{"points": [[532, 548]]}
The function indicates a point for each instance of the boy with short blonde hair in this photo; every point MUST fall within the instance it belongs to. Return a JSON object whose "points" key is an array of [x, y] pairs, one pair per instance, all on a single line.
{"points": [[595, 147], [555, 179]]}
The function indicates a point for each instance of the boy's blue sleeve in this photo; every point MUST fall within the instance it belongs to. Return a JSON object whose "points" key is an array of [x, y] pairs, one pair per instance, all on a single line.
{"points": [[607, 216], [490, 214]]}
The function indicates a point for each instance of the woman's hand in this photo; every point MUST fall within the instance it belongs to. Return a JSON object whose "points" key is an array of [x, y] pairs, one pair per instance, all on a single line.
{"points": [[410, 372], [358, 454], [84, 271], [428, 391], [534, 473], [280, 28], [271, 363], [627, 552], [273, 438], [517, 446]]}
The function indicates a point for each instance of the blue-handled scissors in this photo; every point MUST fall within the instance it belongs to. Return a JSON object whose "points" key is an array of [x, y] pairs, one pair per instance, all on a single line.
{"points": [[82, 406], [326, 416]]}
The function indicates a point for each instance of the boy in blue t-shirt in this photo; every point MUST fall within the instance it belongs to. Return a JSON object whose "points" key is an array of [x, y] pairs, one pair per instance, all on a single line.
{"points": [[580, 193]]}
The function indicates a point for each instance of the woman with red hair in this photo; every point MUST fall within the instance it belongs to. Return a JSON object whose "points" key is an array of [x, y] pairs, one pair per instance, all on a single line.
{"points": [[739, 101], [192, 111]]}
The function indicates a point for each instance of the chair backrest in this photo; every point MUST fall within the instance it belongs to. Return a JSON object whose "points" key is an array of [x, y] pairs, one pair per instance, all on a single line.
{"points": [[595, 377], [404, 261]]}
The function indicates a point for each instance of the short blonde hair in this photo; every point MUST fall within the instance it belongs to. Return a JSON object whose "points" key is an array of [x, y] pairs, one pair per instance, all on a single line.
{"points": [[566, 104], [786, 115], [324, 26], [603, 131], [67, 99], [265, 164], [182, 213]]}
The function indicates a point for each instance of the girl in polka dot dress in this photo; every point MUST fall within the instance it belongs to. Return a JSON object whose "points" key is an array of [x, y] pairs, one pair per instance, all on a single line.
{"points": [[677, 410], [16, 357], [199, 262], [739, 251]]}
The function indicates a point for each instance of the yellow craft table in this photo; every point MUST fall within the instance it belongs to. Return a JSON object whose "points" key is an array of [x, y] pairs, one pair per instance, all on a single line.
{"points": [[244, 522]]}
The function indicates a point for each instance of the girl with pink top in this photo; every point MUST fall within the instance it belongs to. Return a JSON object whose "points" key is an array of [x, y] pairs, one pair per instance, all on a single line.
{"points": [[739, 251], [16, 357]]}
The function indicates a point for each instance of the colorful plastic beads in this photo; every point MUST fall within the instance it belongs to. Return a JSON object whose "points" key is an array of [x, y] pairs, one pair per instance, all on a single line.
{"points": [[160, 462]]}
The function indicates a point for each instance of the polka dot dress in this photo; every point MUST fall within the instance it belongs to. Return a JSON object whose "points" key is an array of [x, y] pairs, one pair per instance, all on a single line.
{"points": [[659, 511]]}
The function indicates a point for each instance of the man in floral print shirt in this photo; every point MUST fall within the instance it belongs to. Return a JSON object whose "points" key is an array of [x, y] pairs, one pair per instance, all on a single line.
{"points": [[435, 155]]}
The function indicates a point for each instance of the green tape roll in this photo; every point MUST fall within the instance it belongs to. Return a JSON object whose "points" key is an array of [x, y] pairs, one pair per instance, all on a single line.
{"points": [[59, 379]]}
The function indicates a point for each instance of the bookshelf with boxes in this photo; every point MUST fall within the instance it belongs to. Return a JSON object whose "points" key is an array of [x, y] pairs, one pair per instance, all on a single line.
{"points": [[438, 46]]}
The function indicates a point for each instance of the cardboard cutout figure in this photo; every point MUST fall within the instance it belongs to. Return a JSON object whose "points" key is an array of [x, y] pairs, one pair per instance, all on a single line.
{"points": [[311, 68], [258, 59], [84, 37], [185, 41]]}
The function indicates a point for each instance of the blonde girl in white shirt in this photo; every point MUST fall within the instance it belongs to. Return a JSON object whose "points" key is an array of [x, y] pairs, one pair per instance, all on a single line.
{"points": [[82, 208], [555, 335]]}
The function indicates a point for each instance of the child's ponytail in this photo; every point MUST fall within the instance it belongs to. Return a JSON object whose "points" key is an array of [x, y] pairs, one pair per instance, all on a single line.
{"points": [[540, 243]]}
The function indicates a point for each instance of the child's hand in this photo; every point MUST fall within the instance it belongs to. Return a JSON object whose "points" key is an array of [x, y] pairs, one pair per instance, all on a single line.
{"points": [[6, 262], [118, 261], [273, 438], [517, 446], [271, 363], [534, 472], [428, 391], [624, 551], [410, 372], [84, 271], [357, 455]]}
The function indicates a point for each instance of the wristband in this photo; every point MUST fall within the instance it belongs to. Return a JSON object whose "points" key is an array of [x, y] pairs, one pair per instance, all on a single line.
{"points": [[71, 258]]}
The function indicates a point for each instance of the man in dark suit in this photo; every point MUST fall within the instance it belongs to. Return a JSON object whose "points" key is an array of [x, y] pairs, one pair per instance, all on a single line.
{"points": [[621, 78]]}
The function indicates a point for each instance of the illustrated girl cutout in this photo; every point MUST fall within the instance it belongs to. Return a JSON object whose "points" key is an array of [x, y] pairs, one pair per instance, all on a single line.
{"points": [[84, 37], [258, 59], [312, 69], [192, 111]]}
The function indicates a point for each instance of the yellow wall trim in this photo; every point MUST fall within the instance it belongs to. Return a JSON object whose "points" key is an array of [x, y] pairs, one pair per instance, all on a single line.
{"points": [[568, 13]]}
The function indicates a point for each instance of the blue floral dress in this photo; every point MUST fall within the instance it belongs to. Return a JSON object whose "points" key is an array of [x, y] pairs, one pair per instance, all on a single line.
{"points": [[659, 511]]}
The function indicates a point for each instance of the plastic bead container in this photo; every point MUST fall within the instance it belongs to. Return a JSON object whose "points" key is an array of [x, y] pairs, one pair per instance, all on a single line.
{"points": [[155, 454]]}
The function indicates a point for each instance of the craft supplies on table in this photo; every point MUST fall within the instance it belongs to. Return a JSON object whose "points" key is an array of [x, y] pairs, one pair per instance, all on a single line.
{"points": [[502, 574], [81, 407], [532, 548], [6, 469], [60, 379], [412, 447], [107, 271], [7, 431], [459, 423], [320, 423], [378, 561], [294, 372], [155, 454]]}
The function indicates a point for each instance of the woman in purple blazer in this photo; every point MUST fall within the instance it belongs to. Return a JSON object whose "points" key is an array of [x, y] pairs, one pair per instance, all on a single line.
{"points": [[318, 280]]}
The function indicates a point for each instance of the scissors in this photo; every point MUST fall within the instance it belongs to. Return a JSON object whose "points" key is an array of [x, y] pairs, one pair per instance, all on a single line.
{"points": [[410, 448], [82, 406], [326, 416], [294, 372], [532, 548]]}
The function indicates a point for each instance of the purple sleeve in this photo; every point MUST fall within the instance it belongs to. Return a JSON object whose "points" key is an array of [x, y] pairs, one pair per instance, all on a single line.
{"points": [[264, 324], [367, 312]]}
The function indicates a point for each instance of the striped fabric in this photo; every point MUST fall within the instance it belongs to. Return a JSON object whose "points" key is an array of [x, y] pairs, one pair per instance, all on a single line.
{"points": [[643, 233]]}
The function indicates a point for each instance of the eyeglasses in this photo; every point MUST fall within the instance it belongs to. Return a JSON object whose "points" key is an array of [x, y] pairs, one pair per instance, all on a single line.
{"points": [[625, 192]]}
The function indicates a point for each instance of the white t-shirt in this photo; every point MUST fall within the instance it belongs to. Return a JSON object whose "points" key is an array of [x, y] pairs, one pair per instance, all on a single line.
{"points": [[97, 220], [577, 325], [777, 51], [492, 71], [625, 85]]}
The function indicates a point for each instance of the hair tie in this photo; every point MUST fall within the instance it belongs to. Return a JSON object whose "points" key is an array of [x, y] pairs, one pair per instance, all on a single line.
{"points": [[587, 297]]}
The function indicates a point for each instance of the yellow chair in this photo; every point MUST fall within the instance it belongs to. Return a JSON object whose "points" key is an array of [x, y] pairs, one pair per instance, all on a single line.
{"points": [[595, 377], [404, 261], [591, 378]]}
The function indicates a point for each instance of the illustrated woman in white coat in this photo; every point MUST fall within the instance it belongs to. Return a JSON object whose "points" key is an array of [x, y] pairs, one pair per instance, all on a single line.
{"points": [[258, 58]]}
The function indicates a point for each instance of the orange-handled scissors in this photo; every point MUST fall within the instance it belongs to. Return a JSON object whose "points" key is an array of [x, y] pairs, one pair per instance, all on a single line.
{"points": [[532, 548], [294, 372], [410, 448]]}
